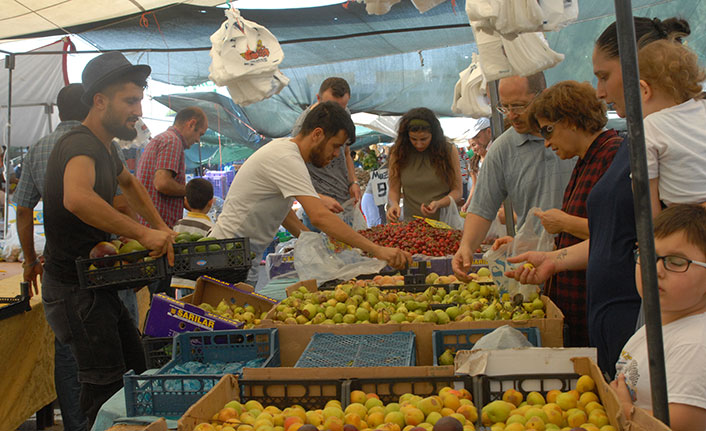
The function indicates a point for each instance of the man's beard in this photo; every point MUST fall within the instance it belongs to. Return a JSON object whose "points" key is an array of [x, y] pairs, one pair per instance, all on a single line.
{"points": [[317, 156], [120, 131]]}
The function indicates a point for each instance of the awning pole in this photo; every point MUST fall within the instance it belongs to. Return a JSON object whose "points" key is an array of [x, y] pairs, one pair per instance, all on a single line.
{"points": [[496, 126], [9, 65], [643, 209], [200, 162]]}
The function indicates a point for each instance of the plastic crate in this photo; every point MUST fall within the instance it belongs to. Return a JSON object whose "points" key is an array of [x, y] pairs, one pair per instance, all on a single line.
{"points": [[464, 339], [389, 390], [360, 350], [158, 351], [122, 271], [230, 175], [230, 263], [170, 395], [284, 393], [489, 388], [220, 184]]}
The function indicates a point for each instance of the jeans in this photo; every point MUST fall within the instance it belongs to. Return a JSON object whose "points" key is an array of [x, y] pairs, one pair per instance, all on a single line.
{"points": [[68, 389], [374, 214], [307, 223], [102, 336], [129, 299]]}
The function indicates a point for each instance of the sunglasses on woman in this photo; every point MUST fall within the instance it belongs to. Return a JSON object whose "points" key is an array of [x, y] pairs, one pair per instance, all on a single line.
{"points": [[546, 131]]}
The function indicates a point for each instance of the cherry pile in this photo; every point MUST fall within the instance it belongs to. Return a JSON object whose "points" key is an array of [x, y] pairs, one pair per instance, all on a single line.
{"points": [[416, 237]]}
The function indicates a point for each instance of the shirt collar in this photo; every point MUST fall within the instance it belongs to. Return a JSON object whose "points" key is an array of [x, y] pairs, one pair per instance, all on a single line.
{"points": [[526, 137], [176, 132], [197, 215]]}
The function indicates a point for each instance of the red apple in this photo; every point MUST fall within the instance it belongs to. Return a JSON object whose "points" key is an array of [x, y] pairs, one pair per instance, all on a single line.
{"points": [[103, 249]]}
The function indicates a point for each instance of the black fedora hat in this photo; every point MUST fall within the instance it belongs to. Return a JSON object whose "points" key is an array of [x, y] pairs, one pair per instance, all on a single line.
{"points": [[104, 70]]}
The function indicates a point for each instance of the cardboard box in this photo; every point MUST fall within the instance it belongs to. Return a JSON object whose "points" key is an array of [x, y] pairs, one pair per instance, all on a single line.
{"points": [[278, 264], [295, 338], [223, 392], [168, 316], [287, 373]]}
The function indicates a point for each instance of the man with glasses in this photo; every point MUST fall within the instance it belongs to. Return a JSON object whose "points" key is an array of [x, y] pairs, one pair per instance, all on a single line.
{"points": [[517, 166]]}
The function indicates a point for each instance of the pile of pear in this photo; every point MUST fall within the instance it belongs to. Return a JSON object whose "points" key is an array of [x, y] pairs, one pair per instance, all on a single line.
{"points": [[240, 313]]}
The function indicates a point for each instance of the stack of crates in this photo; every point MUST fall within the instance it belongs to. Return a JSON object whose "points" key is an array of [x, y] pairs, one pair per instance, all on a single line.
{"points": [[219, 181]]}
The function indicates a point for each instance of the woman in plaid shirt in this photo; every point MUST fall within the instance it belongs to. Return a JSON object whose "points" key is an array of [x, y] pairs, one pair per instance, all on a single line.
{"points": [[572, 120]]}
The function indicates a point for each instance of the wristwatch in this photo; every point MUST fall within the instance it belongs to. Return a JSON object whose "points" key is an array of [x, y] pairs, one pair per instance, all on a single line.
{"points": [[354, 182]]}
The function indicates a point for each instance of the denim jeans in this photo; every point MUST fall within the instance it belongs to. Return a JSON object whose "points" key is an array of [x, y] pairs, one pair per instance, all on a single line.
{"points": [[102, 336], [68, 389]]}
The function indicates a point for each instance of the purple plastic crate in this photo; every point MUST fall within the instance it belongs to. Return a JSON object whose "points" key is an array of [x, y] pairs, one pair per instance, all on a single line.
{"points": [[220, 184], [230, 175]]}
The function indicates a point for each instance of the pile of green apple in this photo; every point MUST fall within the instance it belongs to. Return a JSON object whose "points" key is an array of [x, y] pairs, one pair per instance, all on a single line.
{"points": [[245, 313], [450, 410], [577, 409], [363, 301]]}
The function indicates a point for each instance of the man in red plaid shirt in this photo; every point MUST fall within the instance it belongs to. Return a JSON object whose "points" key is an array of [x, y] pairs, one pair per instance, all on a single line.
{"points": [[162, 169]]}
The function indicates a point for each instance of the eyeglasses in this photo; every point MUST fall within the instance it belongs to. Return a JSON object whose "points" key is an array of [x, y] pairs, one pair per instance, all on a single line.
{"points": [[517, 109], [672, 263], [546, 131]]}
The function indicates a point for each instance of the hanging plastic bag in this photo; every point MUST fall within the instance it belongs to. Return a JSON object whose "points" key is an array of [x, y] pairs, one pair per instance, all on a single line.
{"points": [[315, 258], [530, 53], [451, 216], [469, 92], [483, 13], [352, 215], [494, 62], [559, 13], [425, 5]]}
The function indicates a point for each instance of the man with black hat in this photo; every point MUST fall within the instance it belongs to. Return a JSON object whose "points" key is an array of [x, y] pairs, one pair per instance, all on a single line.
{"points": [[82, 175]]}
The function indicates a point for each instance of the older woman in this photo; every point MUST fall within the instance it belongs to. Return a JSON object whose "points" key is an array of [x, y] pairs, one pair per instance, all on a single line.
{"points": [[571, 119], [424, 164]]}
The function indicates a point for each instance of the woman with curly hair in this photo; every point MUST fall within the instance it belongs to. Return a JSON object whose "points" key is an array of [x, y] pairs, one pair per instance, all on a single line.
{"points": [[675, 134], [424, 165]]}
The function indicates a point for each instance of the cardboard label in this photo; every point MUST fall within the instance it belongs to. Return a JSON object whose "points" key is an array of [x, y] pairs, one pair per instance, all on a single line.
{"points": [[435, 223], [379, 186]]}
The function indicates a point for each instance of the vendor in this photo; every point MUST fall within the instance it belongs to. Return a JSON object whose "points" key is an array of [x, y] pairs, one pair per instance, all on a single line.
{"points": [[81, 179], [261, 196], [425, 166]]}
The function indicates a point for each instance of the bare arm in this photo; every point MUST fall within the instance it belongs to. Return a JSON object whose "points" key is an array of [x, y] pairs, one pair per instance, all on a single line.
{"points": [[354, 188], [546, 264], [475, 228], [84, 203], [120, 203], [165, 183], [654, 197], [293, 224], [25, 230], [336, 228], [474, 179], [139, 200], [393, 193]]}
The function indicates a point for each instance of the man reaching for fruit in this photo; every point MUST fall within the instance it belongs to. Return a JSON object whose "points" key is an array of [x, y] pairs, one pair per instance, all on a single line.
{"points": [[82, 174], [261, 196]]}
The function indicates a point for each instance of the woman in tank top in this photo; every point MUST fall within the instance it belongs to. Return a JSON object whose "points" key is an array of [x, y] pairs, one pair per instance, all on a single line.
{"points": [[424, 167]]}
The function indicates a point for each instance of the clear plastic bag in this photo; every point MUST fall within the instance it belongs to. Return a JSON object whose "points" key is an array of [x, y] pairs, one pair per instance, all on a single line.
{"points": [[352, 215], [315, 258], [451, 216]]}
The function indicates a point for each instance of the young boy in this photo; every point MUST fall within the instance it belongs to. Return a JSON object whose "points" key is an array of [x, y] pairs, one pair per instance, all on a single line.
{"points": [[680, 242], [198, 200]]}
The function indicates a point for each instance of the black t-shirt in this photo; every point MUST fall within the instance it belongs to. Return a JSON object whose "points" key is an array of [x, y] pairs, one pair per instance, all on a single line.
{"points": [[67, 236]]}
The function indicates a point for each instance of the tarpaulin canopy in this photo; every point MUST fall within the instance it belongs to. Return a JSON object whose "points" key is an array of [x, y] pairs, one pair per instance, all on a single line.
{"points": [[36, 82]]}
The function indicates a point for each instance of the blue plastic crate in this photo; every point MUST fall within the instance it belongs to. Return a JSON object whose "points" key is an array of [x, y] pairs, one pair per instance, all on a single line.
{"points": [[361, 350], [220, 185], [464, 339], [170, 395]]}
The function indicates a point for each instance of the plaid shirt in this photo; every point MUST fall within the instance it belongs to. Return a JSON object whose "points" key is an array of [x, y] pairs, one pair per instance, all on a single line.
{"points": [[164, 151], [31, 186], [569, 291]]}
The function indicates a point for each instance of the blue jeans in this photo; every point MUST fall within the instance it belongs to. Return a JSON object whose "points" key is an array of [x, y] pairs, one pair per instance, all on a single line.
{"points": [[68, 389]]}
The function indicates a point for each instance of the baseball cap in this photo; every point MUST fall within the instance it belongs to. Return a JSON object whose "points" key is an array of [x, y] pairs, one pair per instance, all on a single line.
{"points": [[481, 124]]}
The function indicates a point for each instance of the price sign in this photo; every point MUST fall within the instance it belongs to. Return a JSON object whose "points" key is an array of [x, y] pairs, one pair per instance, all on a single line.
{"points": [[378, 181]]}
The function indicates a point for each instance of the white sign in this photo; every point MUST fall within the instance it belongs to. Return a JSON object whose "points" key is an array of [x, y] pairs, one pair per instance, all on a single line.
{"points": [[378, 179]]}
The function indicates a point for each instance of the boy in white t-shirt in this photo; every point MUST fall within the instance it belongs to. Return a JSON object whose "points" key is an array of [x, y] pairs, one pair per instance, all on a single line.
{"points": [[675, 123], [680, 242]]}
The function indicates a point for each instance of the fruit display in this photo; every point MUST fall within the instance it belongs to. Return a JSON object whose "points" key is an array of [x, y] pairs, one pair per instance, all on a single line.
{"points": [[364, 301], [577, 409], [416, 237], [450, 410], [241, 313], [115, 248]]}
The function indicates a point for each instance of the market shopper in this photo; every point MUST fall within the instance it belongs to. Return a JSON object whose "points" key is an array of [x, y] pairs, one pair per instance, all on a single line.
{"points": [[162, 166], [680, 243], [675, 135], [572, 120], [612, 302], [336, 182], [424, 167], [517, 166], [261, 196], [82, 174], [479, 143]]}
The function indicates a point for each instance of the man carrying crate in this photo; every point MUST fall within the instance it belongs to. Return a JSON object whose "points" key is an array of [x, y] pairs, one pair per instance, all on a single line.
{"points": [[82, 175]]}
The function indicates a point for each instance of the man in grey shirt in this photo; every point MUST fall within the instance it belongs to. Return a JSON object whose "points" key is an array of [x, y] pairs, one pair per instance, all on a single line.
{"points": [[336, 182], [517, 166]]}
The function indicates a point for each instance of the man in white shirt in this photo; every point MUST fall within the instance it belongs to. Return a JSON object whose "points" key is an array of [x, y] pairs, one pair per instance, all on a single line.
{"points": [[261, 196]]}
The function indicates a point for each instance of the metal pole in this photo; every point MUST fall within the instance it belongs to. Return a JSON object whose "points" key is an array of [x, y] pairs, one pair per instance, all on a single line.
{"points": [[643, 209], [496, 126], [9, 65], [200, 162]]}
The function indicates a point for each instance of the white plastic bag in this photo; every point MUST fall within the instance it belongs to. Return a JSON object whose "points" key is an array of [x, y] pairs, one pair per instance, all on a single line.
{"points": [[378, 7], [494, 62], [451, 216], [469, 92], [530, 53], [352, 215], [315, 258], [12, 249], [559, 13], [424, 5], [484, 12]]}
